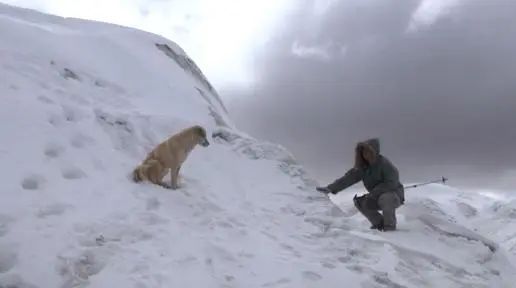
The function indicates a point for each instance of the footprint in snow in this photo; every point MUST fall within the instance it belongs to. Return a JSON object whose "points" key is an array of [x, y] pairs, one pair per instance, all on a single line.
{"points": [[246, 255], [68, 113], [140, 268], [59, 91], [277, 283], [55, 209], [186, 260], [153, 204], [236, 222], [8, 258], [328, 265], [14, 87], [353, 254], [53, 150], [220, 254], [80, 140], [344, 259], [69, 74], [33, 182], [467, 210], [223, 224], [112, 231], [78, 99], [44, 85], [14, 281], [310, 275], [71, 114], [383, 279], [209, 206], [5, 220], [55, 120], [140, 284], [269, 235], [45, 100], [76, 270], [208, 261], [152, 219], [72, 173], [291, 250]]}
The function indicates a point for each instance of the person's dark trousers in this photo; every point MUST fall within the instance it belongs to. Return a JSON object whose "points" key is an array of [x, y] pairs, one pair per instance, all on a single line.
{"points": [[387, 203]]}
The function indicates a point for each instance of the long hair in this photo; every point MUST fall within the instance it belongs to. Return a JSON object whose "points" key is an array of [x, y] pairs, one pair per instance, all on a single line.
{"points": [[360, 161]]}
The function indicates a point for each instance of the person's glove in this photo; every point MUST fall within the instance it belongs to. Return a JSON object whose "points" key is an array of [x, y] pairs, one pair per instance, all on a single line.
{"points": [[324, 190]]}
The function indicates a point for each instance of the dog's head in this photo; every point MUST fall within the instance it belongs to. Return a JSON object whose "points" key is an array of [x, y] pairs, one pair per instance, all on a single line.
{"points": [[200, 132]]}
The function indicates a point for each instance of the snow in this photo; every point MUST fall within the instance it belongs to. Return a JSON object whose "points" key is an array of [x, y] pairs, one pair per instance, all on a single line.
{"points": [[81, 104]]}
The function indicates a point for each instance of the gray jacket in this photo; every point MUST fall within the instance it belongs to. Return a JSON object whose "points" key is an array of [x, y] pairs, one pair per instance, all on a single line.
{"points": [[380, 177]]}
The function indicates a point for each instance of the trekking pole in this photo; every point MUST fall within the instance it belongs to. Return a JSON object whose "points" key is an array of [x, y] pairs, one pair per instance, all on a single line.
{"points": [[442, 180]]}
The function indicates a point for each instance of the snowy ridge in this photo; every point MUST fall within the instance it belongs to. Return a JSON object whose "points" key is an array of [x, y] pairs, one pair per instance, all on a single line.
{"points": [[439, 244], [82, 103]]}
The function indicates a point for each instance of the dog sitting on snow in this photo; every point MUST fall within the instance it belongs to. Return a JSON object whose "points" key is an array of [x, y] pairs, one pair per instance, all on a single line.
{"points": [[170, 155]]}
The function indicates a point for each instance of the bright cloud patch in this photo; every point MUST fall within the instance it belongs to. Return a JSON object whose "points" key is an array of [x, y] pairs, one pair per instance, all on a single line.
{"points": [[314, 52], [429, 11]]}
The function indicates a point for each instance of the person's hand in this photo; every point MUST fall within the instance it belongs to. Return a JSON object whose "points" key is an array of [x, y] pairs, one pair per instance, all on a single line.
{"points": [[324, 190]]}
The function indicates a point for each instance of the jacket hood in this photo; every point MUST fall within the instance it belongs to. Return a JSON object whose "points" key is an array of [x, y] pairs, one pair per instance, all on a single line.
{"points": [[372, 145]]}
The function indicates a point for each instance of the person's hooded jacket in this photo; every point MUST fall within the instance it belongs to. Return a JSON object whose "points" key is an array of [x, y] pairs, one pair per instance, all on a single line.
{"points": [[379, 176]]}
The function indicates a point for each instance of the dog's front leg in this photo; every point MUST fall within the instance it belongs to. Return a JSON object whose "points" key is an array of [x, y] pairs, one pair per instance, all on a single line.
{"points": [[165, 185], [177, 173], [160, 181], [174, 177]]}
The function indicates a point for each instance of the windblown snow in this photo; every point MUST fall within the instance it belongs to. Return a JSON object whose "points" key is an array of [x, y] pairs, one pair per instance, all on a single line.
{"points": [[81, 103]]}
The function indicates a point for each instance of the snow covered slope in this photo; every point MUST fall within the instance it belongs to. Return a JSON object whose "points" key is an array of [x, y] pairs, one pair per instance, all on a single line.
{"points": [[80, 105]]}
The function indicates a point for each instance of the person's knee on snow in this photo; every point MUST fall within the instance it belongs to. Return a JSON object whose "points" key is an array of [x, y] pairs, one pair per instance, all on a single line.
{"points": [[368, 207], [388, 203]]}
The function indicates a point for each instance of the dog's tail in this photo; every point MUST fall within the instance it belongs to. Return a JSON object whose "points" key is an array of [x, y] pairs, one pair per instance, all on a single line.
{"points": [[136, 174]]}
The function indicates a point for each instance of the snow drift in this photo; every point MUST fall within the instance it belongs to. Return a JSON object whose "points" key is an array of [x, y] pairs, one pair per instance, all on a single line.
{"points": [[80, 105]]}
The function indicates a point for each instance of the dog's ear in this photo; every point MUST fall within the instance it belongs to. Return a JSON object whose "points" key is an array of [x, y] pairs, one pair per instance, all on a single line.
{"points": [[200, 131]]}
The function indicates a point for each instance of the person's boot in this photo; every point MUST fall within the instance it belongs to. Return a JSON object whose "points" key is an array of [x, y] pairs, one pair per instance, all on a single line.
{"points": [[389, 228], [378, 226]]}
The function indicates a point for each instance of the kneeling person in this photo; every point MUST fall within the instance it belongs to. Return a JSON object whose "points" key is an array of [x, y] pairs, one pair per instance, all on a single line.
{"points": [[380, 178]]}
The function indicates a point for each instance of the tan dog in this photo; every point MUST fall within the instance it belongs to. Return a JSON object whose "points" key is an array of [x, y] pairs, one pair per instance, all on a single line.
{"points": [[170, 155]]}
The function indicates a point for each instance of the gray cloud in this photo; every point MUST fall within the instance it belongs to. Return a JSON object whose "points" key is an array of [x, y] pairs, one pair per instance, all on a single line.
{"points": [[442, 99]]}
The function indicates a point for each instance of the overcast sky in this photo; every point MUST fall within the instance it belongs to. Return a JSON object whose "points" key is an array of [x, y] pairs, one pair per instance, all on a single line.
{"points": [[437, 86], [433, 79]]}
